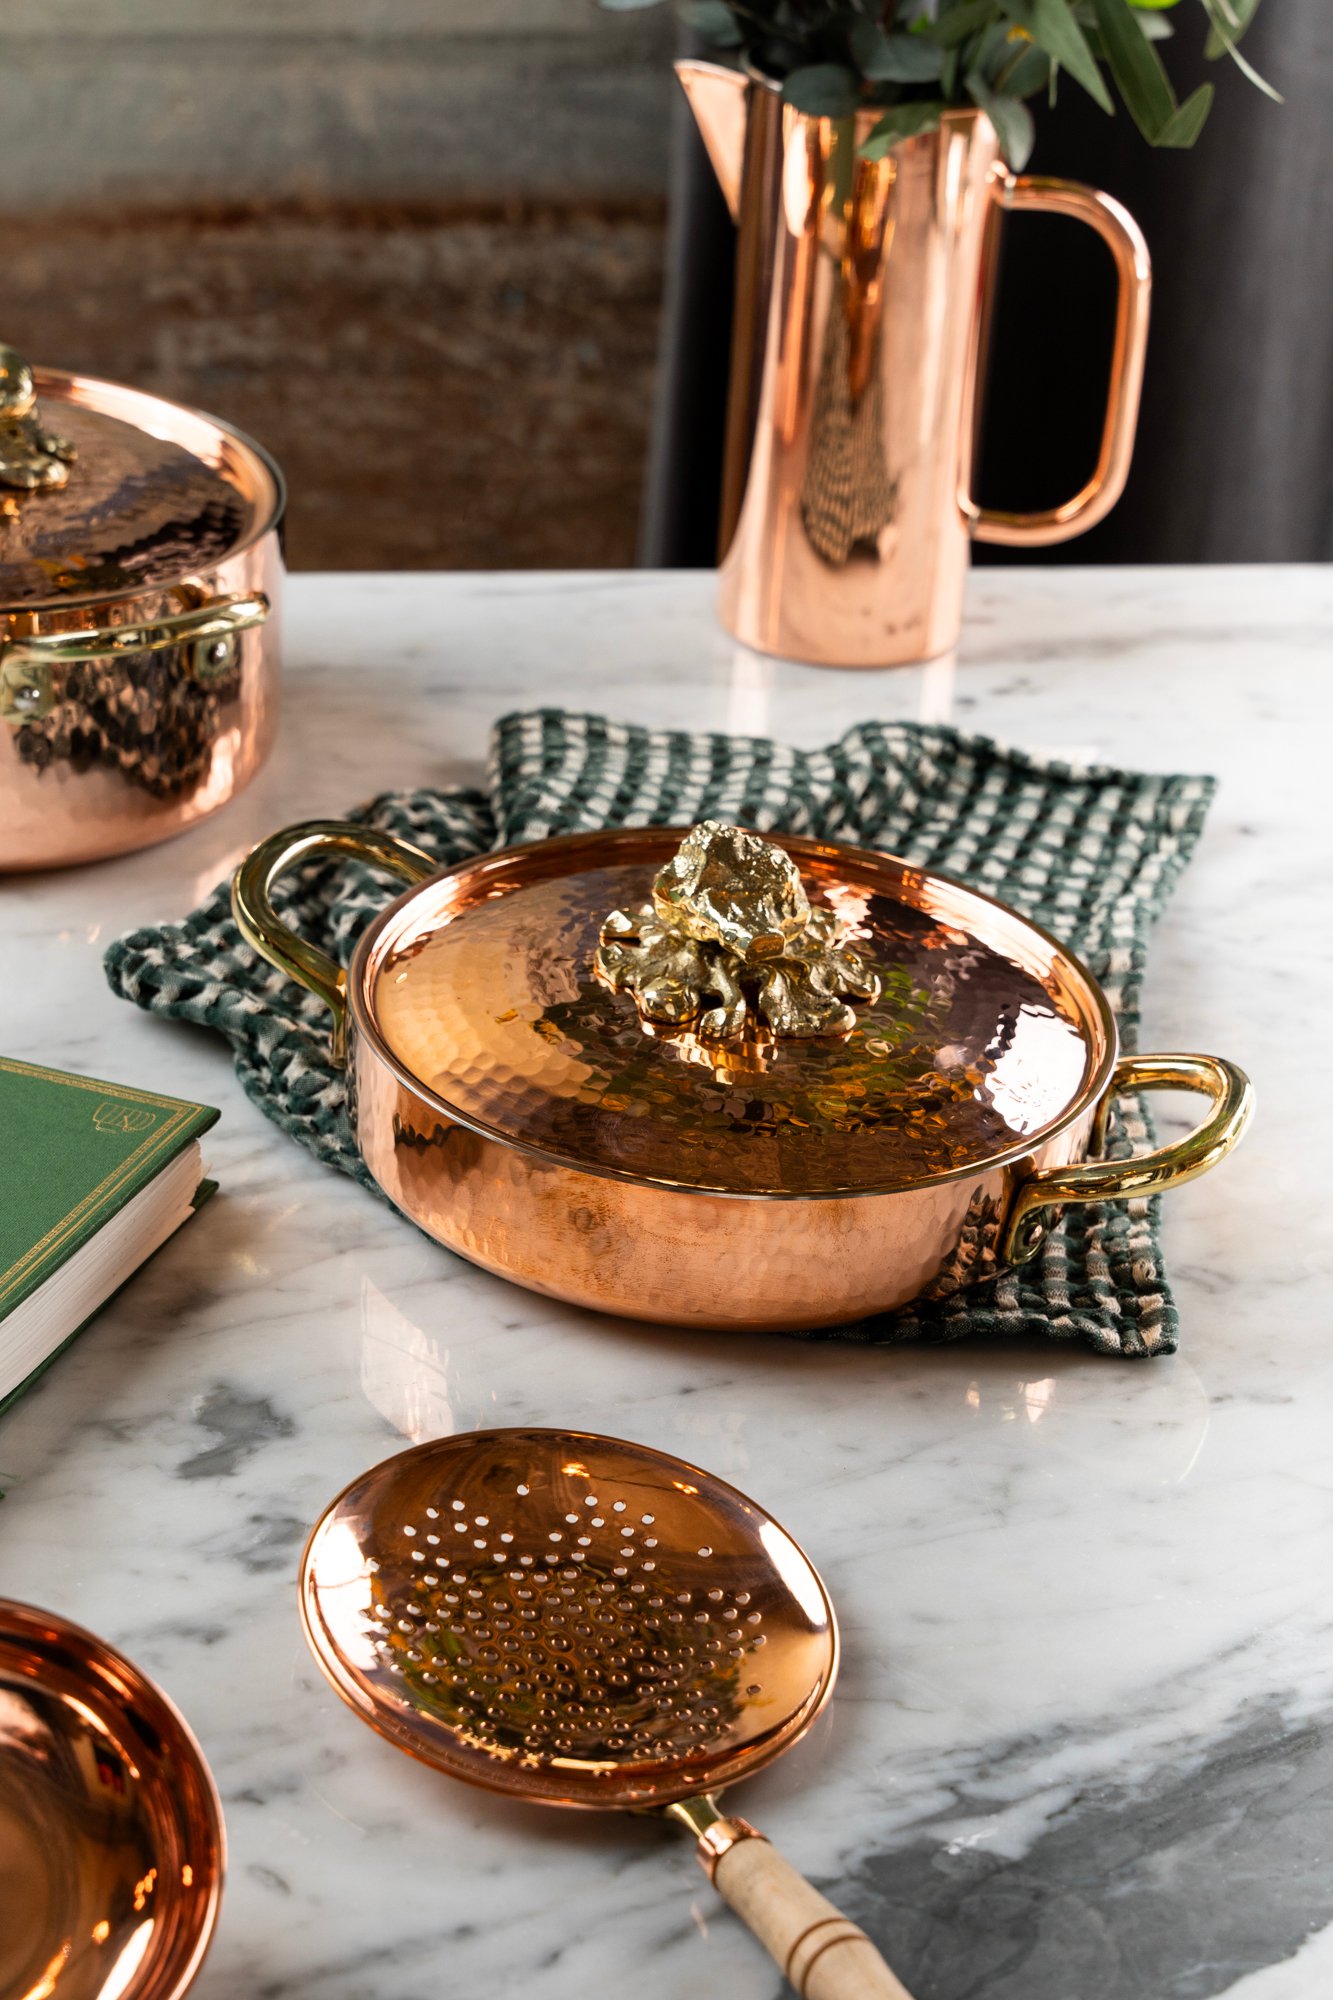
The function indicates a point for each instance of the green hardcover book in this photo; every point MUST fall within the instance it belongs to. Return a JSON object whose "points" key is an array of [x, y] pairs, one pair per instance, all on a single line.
{"points": [[94, 1177]]}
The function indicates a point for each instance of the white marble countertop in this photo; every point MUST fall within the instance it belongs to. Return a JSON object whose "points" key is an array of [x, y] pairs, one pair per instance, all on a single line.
{"points": [[1082, 1742]]}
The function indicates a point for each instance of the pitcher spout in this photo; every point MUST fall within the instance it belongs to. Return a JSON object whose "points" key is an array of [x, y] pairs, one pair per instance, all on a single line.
{"points": [[718, 98]]}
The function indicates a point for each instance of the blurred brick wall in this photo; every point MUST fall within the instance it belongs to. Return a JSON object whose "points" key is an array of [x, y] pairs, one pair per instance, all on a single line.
{"points": [[160, 102], [413, 245]]}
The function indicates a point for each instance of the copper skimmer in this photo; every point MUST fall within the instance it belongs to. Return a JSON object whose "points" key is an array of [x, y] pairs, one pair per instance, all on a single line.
{"points": [[577, 1621]]}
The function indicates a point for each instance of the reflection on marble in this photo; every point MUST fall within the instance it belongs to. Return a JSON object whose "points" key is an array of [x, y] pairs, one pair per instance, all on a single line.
{"points": [[1081, 1742]]}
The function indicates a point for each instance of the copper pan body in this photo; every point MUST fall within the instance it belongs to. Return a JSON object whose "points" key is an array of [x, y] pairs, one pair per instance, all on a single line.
{"points": [[176, 761], [491, 1156], [679, 1256]]}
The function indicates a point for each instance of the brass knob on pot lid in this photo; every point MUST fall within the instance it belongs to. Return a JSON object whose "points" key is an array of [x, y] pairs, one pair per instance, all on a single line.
{"points": [[31, 459], [730, 941]]}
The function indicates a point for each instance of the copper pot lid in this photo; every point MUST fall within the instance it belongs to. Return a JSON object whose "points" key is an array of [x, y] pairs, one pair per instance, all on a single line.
{"points": [[511, 995], [106, 492]]}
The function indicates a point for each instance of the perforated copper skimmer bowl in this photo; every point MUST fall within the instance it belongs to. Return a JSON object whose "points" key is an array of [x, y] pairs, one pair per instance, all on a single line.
{"points": [[582, 1622], [703, 1076]]}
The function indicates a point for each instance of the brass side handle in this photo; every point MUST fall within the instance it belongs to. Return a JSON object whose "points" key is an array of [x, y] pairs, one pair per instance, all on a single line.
{"points": [[1125, 240], [274, 939], [30, 665], [1171, 1166]]}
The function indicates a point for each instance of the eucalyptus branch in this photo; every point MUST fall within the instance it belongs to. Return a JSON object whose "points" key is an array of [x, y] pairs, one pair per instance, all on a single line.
{"points": [[910, 60]]}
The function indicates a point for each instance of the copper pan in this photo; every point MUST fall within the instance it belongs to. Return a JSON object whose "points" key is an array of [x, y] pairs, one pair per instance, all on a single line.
{"points": [[902, 1084], [111, 1841], [140, 583]]}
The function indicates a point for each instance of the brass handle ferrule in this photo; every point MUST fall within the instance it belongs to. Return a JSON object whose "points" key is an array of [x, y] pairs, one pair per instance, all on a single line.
{"points": [[715, 1832], [274, 939], [720, 1838], [1149, 1173]]}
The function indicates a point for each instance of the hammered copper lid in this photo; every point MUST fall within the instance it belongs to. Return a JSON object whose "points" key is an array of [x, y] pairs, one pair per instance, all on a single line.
{"points": [[105, 491], [982, 1034]]}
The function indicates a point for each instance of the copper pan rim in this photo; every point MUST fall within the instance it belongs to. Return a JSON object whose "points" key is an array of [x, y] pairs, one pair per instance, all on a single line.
{"points": [[605, 845]]}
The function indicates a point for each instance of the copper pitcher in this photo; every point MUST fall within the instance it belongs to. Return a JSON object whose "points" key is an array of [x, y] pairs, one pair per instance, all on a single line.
{"points": [[862, 297]]}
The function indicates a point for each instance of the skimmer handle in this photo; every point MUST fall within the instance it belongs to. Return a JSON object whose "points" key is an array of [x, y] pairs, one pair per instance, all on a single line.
{"points": [[820, 1952]]}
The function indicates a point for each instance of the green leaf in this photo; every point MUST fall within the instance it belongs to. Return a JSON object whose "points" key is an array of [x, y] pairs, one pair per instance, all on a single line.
{"points": [[1242, 12], [1137, 69], [954, 27], [885, 58], [1028, 75], [1217, 12], [1012, 121], [1052, 27], [1156, 27], [1185, 126], [822, 90], [626, 6], [712, 19], [993, 53], [904, 121]]}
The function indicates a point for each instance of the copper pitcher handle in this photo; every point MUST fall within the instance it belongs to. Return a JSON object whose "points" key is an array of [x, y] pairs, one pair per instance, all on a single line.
{"points": [[1150, 1173], [1123, 237], [266, 932]]}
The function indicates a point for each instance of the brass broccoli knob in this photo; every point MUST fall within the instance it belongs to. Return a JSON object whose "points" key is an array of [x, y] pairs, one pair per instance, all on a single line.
{"points": [[730, 940], [31, 458]]}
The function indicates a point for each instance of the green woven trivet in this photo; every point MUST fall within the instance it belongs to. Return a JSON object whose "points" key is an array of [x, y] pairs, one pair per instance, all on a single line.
{"points": [[1091, 853]]}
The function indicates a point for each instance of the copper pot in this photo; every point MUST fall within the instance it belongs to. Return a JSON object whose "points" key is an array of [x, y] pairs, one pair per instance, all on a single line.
{"points": [[724, 1080], [140, 572]]}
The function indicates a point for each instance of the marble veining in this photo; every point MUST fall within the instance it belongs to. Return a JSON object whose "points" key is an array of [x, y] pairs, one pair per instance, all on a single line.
{"points": [[1081, 1743]]}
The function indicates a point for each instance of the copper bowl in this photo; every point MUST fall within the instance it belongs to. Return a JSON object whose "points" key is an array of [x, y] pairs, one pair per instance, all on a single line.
{"points": [[140, 581], [111, 1842], [512, 1093]]}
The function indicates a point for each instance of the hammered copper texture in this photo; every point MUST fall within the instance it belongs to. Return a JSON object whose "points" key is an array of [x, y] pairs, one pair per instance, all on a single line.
{"points": [[166, 510], [568, 1618], [111, 1846], [679, 1256], [134, 753], [139, 510], [663, 1249], [498, 1012]]}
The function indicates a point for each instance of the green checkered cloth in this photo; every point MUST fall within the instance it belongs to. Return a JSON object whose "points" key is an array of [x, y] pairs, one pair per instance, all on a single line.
{"points": [[1090, 852]]}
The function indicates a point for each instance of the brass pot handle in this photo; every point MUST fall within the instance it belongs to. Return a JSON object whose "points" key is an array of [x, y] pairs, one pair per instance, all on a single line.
{"points": [[1123, 237], [28, 665], [1151, 1173], [265, 931]]}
